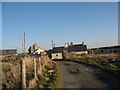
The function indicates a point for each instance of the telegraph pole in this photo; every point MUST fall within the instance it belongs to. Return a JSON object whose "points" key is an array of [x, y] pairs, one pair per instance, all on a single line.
{"points": [[16, 48], [52, 44], [23, 42]]}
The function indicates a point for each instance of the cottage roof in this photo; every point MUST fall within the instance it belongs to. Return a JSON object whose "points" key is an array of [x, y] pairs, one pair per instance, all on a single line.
{"points": [[76, 48], [110, 47], [36, 46], [57, 49], [8, 49]]}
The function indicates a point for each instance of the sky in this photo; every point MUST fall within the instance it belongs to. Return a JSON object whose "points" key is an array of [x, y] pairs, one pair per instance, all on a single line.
{"points": [[94, 23]]}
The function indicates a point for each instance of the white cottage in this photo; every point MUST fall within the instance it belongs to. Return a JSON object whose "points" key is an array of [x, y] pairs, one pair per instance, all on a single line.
{"points": [[57, 53], [63, 52]]}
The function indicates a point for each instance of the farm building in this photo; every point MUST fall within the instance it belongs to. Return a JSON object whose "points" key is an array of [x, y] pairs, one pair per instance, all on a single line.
{"points": [[65, 51], [110, 49], [94, 51], [8, 52], [57, 53], [35, 49]]}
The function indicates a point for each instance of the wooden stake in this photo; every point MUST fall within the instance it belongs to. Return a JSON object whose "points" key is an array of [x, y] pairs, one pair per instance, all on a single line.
{"points": [[34, 61], [23, 73]]}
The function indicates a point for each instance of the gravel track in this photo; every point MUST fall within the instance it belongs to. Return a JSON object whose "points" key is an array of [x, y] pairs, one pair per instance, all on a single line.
{"points": [[77, 75]]}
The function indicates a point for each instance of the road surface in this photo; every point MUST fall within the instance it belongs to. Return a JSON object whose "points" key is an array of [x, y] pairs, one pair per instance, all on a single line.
{"points": [[77, 75]]}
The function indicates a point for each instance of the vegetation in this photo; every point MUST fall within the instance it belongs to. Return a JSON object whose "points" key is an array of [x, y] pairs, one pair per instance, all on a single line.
{"points": [[50, 77], [108, 62], [11, 72]]}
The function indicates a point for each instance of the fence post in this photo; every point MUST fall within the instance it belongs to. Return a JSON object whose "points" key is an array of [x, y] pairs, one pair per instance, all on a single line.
{"points": [[46, 59], [39, 62], [23, 73], [34, 61], [42, 62]]}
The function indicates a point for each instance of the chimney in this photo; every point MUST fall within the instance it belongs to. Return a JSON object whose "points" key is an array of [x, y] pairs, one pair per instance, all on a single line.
{"points": [[54, 45], [71, 44], [82, 43], [66, 45]]}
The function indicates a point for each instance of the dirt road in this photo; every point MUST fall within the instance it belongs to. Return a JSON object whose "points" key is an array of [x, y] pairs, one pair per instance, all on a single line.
{"points": [[77, 75]]}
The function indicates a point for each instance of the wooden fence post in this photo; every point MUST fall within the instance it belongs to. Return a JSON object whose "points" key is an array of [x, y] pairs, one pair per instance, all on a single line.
{"points": [[35, 73], [46, 59], [23, 73], [39, 62], [42, 62]]}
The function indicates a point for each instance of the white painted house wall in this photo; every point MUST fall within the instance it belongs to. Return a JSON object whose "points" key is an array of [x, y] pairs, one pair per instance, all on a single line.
{"points": [[82, 52], [57, 56]]}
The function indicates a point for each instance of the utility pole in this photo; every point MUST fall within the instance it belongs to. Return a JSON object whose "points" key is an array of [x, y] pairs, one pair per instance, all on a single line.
{"points": [[16, 48], [52, 44], [23, 43]]}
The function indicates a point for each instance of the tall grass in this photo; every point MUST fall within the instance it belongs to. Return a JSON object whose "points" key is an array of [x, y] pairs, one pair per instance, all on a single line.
{"points": [[51, 76], [109, 62], [11, 72]]}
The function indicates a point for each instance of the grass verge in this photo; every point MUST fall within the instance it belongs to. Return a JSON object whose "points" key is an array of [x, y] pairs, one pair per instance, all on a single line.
{"points": [[111, 65], [50, 77]]}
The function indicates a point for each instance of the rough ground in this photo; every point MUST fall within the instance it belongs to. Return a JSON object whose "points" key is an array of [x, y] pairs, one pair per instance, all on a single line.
{"points": [[77, 75]]}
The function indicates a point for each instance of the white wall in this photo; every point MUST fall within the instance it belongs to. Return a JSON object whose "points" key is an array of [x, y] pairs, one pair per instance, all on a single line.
{"points": [[57, 56], [81, 52]]}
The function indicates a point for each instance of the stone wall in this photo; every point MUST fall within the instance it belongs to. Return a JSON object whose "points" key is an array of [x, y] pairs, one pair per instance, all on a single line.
{"points": [[8, 52]]}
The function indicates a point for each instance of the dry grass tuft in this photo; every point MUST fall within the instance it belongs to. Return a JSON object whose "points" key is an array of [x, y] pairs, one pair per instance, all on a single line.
{"points": [[109, 62], [11, 69]]}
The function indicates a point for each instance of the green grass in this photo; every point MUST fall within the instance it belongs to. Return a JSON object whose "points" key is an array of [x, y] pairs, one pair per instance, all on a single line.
{"points": [[110, 64], [50, 79]]}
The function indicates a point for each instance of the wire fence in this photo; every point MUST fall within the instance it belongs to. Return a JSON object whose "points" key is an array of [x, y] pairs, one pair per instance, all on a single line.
{"points": [[22, 72]]}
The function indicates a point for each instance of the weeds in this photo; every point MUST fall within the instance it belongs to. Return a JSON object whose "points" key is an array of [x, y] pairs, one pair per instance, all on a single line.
{"points": [[108, 62], [50, 78]]}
